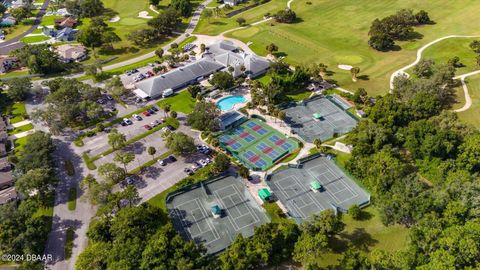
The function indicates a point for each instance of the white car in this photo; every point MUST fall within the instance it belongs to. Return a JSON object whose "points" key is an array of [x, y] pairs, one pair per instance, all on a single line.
{"points": [[203, 162]]}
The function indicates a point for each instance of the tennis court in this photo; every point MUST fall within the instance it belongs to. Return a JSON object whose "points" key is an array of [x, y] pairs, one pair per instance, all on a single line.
{"points": [[292, 186], [257, 145], [319, 117], [192, 215]]}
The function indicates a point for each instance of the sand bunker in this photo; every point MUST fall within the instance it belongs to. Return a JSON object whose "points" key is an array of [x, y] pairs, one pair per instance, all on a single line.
{"points": [[115, 19], [345, 67], [144, 15]]}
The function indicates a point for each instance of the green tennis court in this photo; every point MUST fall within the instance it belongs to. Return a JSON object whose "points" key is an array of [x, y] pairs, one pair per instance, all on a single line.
{"points": [[257, 145]]}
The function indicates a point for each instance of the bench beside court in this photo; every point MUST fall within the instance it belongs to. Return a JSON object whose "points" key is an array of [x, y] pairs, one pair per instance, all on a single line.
{"points": [[314, 185], [213, 212]]}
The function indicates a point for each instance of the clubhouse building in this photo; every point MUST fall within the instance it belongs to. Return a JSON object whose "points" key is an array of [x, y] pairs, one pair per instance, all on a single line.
{"points": [[217, 57]]}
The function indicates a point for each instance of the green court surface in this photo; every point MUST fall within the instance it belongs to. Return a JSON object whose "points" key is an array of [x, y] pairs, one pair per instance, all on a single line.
{"points": [[257, 145]]}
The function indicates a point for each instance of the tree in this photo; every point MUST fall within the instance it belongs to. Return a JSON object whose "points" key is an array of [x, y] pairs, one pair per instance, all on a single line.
{"points": [[424, 68], [194, 90], [285, 16], [111, 173], [422, 17], [360, 96], [204, 116], [180, 143], [20, 13], [85, 8], [381, 42], [223, 80], [154, 2], [116, 139], [208, 13], [173, 114], [159, 52], [202, 46], [166, 109], [241, 21], [271, 48], [475, 46], [454, 62], [115, 87], [151, 151], [39, 59], [469, 157], [183, 6], [95, 193], [221, 162], [318, 143], [124, 158], [355, 211], [244, 172], [2, 9], [18, 88], [477, 59], [354, 71], [165, 23], [36, 181], [97, 34]]}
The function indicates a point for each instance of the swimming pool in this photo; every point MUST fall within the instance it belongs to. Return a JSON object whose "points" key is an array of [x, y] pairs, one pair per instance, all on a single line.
{"points": [[227, 103]]}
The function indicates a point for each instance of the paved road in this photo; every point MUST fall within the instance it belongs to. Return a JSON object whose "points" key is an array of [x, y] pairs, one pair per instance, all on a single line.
{"points": [[468, 99], [80, 218], [419, 57], [14, 43]]}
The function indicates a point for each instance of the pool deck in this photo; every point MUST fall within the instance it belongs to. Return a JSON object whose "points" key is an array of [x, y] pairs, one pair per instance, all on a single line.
{"points": [[239, 91]]}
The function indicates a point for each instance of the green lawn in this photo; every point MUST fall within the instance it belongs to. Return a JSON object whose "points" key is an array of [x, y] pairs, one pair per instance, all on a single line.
{"points": [[18, 112], [471, 115], [34, 39], [69, 243], [19, 144], [49, 20], [37, 31], [218, 25], [14, 31], [366, 234], [180, 102], [69, 168], [14, 73], [335, 32], [276, 214], [443, 51], [21, 129], [72, 199]]}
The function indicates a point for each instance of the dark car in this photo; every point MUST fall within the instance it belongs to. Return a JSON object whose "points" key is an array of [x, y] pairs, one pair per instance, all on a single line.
{"points": [[151, 111], [154, 109], [188, 171], [171, 128], [172, 158], [147, 127], [146, 113]]}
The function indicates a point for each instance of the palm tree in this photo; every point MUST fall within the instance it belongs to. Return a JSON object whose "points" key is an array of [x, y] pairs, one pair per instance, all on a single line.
{"points": [[354, 71], [151, 151], [281, 115], [271, 48], [166, 110], [318, 143]]}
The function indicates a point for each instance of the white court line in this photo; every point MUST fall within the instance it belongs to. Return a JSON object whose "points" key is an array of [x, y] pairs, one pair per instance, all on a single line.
{"points": [[354, 194], [232, 221], [308, 194], [205, 215], [289, 199]]}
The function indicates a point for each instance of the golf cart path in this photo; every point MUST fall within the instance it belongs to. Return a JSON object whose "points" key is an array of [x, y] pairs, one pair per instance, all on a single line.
{"points": [[419, 56], [468, 99]]}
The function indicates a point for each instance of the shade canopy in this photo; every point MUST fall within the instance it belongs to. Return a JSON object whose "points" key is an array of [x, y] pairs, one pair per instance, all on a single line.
{"points": [[317, 115], [315, 184], [264, 194]]}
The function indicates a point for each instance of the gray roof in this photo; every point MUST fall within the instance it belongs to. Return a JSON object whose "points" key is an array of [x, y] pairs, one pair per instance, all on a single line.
{"points": [[228, 118], [222, 47], [253, 64], [178, 77]]}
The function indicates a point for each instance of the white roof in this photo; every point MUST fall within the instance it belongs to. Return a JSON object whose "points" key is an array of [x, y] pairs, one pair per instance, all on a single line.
{"points": [[140, 93]]}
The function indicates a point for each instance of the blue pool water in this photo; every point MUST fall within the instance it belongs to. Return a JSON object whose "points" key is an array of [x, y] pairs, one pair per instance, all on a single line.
{"points": [[227, 103]]}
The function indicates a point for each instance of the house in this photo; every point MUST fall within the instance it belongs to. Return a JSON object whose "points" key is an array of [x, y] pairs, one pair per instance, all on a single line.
{"points": [[177, 78], [7, 63], [63, 22], [6, 178], [66, 34], [8, 195], [14, 3], [360, 113], [232, 2], [8, 20], [71, 53]]}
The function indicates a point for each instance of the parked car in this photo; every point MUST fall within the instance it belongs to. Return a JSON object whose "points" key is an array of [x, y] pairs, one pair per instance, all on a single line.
{"points": [[146, 113], [171, 128], [101, 101], [162, 162], [172, 158], [138, 117], [154, 108], [155, 123], [151, 111], [203, 162], [127, 121], [147, 127], [188, 171], [113, 109], [109, 97]]}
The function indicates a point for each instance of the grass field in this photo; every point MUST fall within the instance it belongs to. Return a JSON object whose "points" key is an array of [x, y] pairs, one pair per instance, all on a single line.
{"points": [[366, 234], [180, 102], [69, 243], [21, 129], [443, 51], [471, 115], [18, 112], [34, 39], [72, 199], [335, 32], [220, 24]]}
